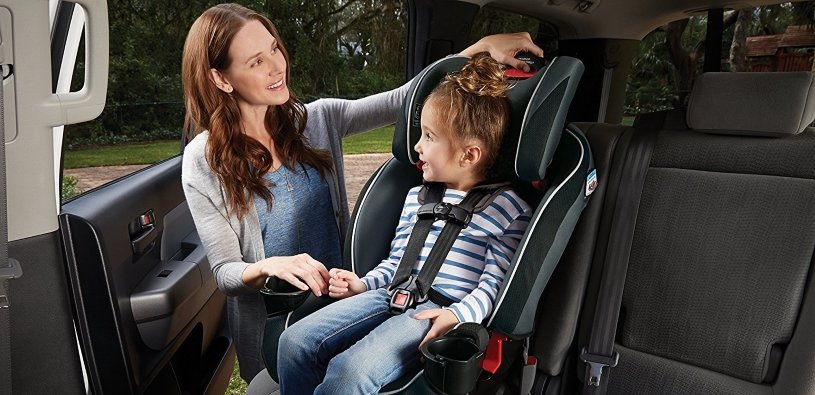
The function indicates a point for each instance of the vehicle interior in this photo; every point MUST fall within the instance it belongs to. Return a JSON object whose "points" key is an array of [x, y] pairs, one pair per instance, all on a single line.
{"points": [[688, 271]]}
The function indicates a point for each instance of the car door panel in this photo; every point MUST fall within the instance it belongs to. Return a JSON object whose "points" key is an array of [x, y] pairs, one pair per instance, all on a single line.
{"points": [[148, 303]]}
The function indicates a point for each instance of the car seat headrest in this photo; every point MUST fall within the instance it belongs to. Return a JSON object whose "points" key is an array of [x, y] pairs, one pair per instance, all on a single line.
{"points": [[752, 104], [538, 107]]}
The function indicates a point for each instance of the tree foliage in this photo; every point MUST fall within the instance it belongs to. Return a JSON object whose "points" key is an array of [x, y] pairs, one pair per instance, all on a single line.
{"points": [[493, 20], [345, 48], [341, 48]]}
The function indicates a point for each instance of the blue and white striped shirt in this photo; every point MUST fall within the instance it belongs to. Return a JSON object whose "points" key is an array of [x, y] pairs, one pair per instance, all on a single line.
{"points": [[475, 267]]}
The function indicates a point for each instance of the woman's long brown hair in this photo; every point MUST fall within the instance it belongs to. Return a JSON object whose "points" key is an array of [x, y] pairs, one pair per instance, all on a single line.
{"points": [[239, 161]]}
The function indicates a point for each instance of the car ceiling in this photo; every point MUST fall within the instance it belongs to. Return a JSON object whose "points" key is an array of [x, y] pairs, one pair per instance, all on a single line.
{"points": [[619, 19]]}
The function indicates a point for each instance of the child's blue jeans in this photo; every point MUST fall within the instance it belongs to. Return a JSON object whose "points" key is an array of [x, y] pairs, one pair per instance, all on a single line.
{"points": [[352, 346]]}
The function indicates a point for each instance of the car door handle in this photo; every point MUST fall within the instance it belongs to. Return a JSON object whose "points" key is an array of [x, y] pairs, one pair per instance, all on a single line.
{"points": [[144, 240]]}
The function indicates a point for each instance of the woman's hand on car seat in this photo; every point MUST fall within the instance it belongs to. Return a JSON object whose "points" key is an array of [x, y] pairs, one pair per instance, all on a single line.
{"points": [[443, 321], [302, 271], [344, 283], [504, 47]]}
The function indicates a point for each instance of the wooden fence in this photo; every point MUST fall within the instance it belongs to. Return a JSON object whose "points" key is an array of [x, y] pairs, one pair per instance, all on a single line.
{"points": [[783, 62]]}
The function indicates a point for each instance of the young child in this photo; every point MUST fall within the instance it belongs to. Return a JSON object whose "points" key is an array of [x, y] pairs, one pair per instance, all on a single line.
{"points": [[356, 346]]}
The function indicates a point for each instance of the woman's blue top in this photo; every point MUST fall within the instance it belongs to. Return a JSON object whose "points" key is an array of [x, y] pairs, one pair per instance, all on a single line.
{"points": [[301, 219]]}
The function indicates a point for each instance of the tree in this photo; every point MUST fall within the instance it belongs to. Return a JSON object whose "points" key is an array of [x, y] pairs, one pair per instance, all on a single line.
{"points": [[738, 47], [147, 36], [651, 85], [492, 20], [686, 50], [144, 99], [335, 43]]}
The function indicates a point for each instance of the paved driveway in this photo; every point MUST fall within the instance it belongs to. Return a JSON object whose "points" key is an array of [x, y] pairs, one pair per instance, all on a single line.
{"points": [[358, 168]]}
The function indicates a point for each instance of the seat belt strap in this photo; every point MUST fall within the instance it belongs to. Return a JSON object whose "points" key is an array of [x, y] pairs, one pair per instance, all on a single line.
{"points": [[433, 193], [600, 352]]}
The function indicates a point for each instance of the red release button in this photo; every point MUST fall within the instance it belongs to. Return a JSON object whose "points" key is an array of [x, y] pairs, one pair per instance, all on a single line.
{"points": [[401, 299]]}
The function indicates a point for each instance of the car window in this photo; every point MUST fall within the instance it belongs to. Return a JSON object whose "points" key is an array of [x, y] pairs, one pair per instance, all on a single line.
{"points": [[336, 51], [143, 116], [775, 38], [490, 20]]}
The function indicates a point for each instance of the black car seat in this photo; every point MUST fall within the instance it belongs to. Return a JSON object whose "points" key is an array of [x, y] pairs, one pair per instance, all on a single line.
{"points": [[537, 148], [717, 294]]}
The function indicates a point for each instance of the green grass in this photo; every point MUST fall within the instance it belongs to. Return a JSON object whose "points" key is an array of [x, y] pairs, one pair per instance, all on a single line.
{"points": [[236, 384], [125, 154], [69, 188], [374, 141]]}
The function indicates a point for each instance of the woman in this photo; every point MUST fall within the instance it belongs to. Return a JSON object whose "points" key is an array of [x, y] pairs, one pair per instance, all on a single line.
{"points": [[263, 175]]}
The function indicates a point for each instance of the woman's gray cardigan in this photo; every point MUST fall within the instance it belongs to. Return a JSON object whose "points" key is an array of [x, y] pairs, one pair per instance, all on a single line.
{"points": [[232, 243]]}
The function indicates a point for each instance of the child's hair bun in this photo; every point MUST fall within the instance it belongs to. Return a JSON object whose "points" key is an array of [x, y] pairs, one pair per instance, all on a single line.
{"points": [[482, 76]]}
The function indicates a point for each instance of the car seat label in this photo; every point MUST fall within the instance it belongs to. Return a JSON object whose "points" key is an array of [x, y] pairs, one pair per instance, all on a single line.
{"points": [[416, 115], [591, 182]]}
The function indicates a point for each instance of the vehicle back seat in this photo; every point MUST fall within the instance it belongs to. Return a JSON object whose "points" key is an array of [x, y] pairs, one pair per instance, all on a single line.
{"points": [[717, 297]]}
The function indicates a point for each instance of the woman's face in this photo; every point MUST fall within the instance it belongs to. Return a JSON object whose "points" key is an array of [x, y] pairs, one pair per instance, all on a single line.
{"points": [[257, 69]]}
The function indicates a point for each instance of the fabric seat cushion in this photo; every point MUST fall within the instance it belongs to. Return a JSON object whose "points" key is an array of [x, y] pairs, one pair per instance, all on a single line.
{"points": [[720, 255]]}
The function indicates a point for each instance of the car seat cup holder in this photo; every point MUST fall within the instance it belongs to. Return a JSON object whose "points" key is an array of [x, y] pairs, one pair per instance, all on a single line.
{"points": [[280, 297], [453, 361]]}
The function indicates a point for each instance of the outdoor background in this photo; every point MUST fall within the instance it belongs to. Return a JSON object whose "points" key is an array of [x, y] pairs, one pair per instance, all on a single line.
{"points": [[352, 48]]}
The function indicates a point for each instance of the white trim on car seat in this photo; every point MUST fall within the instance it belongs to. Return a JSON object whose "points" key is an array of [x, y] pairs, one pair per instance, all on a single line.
{"points": [[409, 106], [404, 387], [288, 318], [520, 251], [356, 217], [523, 123]]}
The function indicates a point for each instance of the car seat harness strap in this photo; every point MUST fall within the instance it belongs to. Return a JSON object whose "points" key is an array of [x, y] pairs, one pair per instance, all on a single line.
{"points": [[406, 290]]}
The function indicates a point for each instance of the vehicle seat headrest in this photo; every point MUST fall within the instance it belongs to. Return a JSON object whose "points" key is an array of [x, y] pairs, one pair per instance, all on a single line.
{"points": [[538, 107], [752, 104]]}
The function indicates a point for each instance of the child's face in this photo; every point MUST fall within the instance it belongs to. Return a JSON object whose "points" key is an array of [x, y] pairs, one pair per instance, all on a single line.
{"points": [[442, 159]]}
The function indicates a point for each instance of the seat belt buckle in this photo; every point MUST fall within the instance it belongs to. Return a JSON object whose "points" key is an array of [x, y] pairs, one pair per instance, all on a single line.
{"points": [[426, 210], [529, 370], [528, 373], [453, 213], [596, 363], [401, 300]]}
